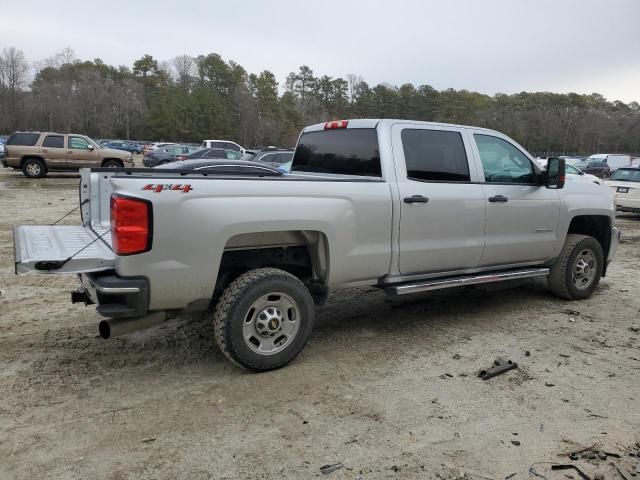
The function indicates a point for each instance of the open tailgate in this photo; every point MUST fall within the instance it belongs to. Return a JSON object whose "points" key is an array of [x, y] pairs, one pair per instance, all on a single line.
{"points": [[61, 249]]}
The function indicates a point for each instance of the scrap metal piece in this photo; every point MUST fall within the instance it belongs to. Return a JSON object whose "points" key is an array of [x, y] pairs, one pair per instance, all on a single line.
{"points": [[622, 474], [330, 468], [500, 365], [571, 467]]}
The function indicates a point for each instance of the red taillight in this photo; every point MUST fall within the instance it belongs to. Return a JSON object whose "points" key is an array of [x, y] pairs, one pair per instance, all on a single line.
{"points": [[336, 124], [130, 225]]}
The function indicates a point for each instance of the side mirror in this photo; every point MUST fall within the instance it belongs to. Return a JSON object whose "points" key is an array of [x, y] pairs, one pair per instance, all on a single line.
{"points": [[555, 173], [91, 147]]}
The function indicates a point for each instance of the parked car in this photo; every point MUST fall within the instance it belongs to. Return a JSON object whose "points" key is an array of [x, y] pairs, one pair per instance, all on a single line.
{"points": [[613, 160], [594, 167], [169, 153], [155, 146], [37, 153], [2, 148], [572, 160], [225, 144], [402, 206], [217, 153], [125, 146], [220, 166], [573, 173], [273, 156], [625, 182]]}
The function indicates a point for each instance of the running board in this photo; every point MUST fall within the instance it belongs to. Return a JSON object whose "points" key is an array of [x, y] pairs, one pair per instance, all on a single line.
{"points": [[407, 288]]}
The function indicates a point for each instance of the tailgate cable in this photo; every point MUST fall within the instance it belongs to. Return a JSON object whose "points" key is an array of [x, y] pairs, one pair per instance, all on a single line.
{"points": [[58, 264], [86, 200]]}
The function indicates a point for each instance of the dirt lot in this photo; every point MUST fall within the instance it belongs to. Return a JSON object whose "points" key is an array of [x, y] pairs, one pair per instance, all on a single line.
{"points": [[387, 389]]}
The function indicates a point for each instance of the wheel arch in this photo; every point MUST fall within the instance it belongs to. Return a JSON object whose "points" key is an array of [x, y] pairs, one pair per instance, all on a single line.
{"points": [[303, 253], [32, 157], [596, 226], [105, 160]]}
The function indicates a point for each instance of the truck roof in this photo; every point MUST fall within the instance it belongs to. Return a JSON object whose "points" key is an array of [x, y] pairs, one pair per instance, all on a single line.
{"points": [[374, 122]]}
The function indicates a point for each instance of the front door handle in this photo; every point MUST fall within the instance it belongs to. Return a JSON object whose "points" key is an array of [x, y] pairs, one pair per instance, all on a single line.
{"points": [[498, 199], [416, 199]]}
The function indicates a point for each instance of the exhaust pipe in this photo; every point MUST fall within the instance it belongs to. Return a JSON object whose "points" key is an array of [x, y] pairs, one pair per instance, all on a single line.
{"points": [[114, 327]]}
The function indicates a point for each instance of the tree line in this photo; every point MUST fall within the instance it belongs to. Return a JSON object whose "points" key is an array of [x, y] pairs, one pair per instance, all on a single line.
{"points": [[188, 99]]}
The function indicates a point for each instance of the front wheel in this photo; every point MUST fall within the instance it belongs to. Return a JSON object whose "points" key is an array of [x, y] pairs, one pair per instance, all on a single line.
{"points": [[263, 319], [577, 271]]}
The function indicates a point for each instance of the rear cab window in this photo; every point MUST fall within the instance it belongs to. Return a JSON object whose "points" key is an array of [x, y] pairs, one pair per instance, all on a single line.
{"points": [[344, 151], [25, 139]]}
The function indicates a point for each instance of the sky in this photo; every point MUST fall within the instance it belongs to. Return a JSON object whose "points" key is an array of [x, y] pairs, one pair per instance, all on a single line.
{"points": [[490, 46]]}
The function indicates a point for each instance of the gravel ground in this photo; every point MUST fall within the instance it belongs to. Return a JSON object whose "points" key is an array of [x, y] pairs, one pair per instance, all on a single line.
{"points": [[387, 389]]}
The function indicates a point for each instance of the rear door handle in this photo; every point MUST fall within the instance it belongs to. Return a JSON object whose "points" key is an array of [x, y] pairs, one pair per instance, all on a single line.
{"points": [[498, 199], [416, 199]]}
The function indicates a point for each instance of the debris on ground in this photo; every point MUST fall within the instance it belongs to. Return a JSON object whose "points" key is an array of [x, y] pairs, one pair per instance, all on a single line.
{"points": [[500, 365], [571, 467], [330, 468]]}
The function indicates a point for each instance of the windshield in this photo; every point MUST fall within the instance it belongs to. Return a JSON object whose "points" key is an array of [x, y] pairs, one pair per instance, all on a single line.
{"points": [[570, 169], [91, 142], [626, 175]]}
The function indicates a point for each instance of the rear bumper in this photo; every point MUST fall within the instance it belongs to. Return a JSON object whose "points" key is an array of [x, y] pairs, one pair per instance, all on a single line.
{"points": [[626, 203], [114, 296]]}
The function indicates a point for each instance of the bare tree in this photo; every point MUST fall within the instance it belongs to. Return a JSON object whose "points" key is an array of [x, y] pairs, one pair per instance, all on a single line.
{"points": [[183, 69], [14, 71]]}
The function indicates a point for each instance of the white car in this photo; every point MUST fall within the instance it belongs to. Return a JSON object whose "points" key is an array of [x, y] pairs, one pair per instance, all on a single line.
{"points": [[626, 183], [573, 173], [226, 144]]}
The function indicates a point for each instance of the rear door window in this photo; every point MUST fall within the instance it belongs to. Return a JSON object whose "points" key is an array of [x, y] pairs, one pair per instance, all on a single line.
{"points": [[435, 155], [344, 151], [53, 141], [25, 139]]}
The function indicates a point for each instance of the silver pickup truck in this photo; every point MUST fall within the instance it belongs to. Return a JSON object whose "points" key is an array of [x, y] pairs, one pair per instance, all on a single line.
{"points": [[403, 206]]}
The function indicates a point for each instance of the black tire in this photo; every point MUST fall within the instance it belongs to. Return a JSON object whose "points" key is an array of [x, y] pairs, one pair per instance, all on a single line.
{"points": [[562, 281], [112, 164], [34, 168], [237, 306]]}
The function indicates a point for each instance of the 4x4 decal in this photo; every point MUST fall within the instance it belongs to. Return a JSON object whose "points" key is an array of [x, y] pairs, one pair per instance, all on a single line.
{"points": [[157, 188]]}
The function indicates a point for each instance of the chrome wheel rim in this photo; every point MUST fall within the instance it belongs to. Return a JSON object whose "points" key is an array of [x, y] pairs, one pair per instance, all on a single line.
{"points": [[271, 323], [33, 169], [584, 270]]}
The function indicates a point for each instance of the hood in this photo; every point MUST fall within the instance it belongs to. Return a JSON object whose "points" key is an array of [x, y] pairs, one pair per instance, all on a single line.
{"points": [[112, 152]]}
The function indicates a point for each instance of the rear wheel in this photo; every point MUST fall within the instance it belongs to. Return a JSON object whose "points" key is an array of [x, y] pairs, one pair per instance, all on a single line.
{"points": [[112, 164], [578, 269], [34, 168], [263, 319]]}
